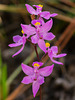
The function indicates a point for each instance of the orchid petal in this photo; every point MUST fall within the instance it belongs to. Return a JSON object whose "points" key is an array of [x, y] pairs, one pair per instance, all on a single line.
{"points": [[50, 53], [28, 29], [27, 69], [35, 87], [27, 80], [38, 9], [60, 55], [15, 44], [30, 9], [18, 51], [16, 38], [54, 49], [46, 71], [34, 39], [48, 36], [45, 14], [56, 61], [41, 44], [40, 80], [24, 41], [41, 19], [53, 15], [46, 26], [37, 6]]}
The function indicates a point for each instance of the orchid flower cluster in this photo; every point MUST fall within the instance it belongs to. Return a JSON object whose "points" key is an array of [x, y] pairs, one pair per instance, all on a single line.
{"points": [[38, 31]]}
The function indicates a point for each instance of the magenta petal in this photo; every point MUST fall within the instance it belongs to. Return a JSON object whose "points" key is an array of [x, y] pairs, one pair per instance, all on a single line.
{"points": [[18, 51], [56, 61], [45, 14], [48, 36], [41, 19], [46, 71], [50, 53], [38, 7], [28, 29], [18, 41], [15, 44], [35, 87], [34, 39], [40, 80], [46, 26], [27, 80], [53, 15], [54, 49], [41, 44], [30, 9], [23, 41], [16, 38], [60, 55], [27, 69]]}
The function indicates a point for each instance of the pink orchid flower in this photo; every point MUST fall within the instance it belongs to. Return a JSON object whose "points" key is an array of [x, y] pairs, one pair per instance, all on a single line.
{"points": [[19, 40], [44, 14], [52, 52], [36, 75], [42, 32]]}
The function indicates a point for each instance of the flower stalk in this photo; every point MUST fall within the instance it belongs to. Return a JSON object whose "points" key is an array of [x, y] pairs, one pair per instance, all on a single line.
{"points": [[37, 52]]}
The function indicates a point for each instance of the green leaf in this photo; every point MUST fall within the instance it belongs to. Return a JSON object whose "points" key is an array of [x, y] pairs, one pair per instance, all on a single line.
{"points": [[4, 78]]}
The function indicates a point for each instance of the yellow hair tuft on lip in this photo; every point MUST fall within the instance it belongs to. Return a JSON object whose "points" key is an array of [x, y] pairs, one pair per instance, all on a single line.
{"points": [[22, 32], [37, 23], [47, 44], [36, 65], [40, 5]]}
